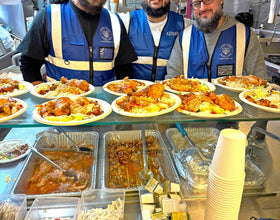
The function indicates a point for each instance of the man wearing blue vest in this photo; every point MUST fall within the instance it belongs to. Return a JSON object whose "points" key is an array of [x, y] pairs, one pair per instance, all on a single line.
{"points": [[216, 45], [76, 39], [152, 32]]}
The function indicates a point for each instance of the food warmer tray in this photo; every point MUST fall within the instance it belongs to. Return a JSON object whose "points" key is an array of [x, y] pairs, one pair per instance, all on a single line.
{"points": [[56, 142], [123, 136]]}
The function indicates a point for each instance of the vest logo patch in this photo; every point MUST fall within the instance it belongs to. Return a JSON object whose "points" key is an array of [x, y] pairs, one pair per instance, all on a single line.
{"points": [[106, 34], [226, 51], [171, 33]]}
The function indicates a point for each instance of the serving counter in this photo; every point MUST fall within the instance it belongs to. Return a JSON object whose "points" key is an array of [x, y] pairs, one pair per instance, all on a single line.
{"points": [[25, 127]]}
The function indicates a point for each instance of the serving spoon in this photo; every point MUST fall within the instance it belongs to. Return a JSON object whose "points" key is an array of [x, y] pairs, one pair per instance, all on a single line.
{"points": [[65, 172]]}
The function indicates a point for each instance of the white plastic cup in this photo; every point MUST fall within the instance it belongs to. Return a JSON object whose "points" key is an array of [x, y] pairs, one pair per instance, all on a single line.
{"points": [[229, 156]]}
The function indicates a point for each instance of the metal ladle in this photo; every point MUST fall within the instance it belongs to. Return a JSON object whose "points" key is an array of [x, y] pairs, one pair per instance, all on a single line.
{"points": [[204, 160], [82, 148], [65, 172], [145, 174]]}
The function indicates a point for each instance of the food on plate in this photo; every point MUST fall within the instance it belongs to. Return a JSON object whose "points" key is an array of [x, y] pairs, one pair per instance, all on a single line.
{"points": [[64, 87], [126, 161], [48, 179], [181, 84], [149, 100], [9, 86], [9, 106], [12, 149], [125, 86], [265, 97], [207, 102], [243, 82], [65, 109]]}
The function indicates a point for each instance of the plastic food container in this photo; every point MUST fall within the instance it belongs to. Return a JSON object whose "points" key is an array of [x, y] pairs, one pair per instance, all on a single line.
{"points": [[13, 206], [108, 203], [54, 208]]}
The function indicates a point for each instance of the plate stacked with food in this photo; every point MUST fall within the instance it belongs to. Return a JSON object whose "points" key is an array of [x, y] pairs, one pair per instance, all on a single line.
{"points": [[148, 102], [12, 150], [11, 108], [66, 111], [209, 105], [181, 85], [265, 99], [125, 86], [10, 87], [62, 88], [241, 83]]}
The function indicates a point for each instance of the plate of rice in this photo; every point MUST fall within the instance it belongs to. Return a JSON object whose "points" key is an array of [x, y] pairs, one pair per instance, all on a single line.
{"points": [[241, 83], [11, 107], [181, 85], [151, 101], [62, 88], [66, 111], [265, 99], [125, 86], [209, 105], [10, 87]]}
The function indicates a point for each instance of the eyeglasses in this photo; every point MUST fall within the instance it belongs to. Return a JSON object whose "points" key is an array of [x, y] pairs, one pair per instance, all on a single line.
{"points": [[197, 4]]}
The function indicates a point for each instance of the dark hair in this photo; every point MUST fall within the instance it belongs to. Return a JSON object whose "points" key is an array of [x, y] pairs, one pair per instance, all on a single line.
{"points": [[58, 1], [245, 18]]}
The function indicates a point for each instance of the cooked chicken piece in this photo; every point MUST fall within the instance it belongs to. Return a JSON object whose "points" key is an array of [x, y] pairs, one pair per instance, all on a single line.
{"points": [[226, 102], [62, 106], [257, 81], [154, 91], [81, 84]]}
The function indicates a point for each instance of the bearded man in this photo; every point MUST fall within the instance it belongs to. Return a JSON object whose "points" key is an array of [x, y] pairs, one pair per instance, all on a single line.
{"points": [[152, 32], [77, 39], [215, 45]]}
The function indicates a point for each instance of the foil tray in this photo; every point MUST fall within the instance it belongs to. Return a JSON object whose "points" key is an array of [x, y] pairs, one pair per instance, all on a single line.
{"points": [[123, 136], [56, 142], [197, 176]]}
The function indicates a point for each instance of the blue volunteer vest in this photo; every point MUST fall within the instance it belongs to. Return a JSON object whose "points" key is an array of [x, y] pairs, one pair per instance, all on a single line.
{"points": [[142, 40], [224, 58], [73, 59]]}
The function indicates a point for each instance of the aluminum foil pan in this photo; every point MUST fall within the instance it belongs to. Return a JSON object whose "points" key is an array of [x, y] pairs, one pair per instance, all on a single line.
{"points": [[56, 142], [163, 157]]}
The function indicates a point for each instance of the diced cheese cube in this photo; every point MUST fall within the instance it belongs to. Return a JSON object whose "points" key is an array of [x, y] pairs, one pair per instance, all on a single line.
{"points": [[151, 184], [158, 189], [151, 208], [160, 198], [147, 198], [175, 196], [174, 187], [167, 206], [146, 215]]}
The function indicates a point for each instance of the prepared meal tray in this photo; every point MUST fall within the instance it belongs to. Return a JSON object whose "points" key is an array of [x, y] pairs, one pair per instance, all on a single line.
{"points": [[195, 171], [123, 159], [54, 208], [102, 204], [38, 178]]}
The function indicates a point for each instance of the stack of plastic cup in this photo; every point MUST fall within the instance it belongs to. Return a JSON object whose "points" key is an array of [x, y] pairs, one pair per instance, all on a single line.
{"points": [[226, 176]]}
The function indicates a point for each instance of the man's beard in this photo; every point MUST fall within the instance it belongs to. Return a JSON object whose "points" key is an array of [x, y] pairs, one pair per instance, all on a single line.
{"points": [[92, 8], [155, 12], [210, 25]]}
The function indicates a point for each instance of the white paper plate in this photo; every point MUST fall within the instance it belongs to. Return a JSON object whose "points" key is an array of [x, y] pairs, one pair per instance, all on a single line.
{"points": [[24, 104], [33, 91], [238, 109], [242, 96], [216, 82], [28, 86], [211, 86], [14, 141], [122, 112], [105, 87], [106, 107]]}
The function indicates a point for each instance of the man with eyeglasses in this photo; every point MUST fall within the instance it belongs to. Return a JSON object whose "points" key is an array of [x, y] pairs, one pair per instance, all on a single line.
{"points": [[215, 45], [152, 32]]}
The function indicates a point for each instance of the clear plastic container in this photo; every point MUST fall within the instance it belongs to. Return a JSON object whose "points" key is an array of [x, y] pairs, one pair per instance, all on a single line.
{"points": [[106, 202], [13, 206], [53, 208]]}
